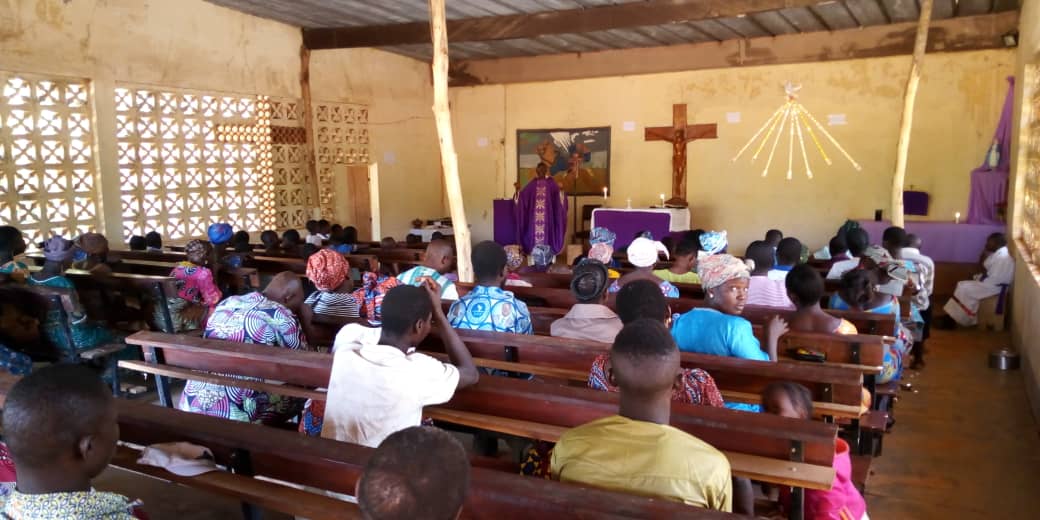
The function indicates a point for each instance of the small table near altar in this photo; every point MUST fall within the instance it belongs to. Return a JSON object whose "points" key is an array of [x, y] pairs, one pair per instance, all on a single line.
{"points": [[625, 223], [942, 241]]}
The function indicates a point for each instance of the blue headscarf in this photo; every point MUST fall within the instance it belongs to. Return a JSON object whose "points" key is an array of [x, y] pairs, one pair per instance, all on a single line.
{"points": [[713, 242], [220, 233], [541, 255], [601, 235]]}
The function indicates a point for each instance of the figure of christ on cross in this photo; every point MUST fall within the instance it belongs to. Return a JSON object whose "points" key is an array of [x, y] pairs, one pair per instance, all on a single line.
{"points": [[679, 134]]}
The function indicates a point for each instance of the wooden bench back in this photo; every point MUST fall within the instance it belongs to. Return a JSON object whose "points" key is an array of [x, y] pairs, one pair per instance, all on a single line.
{"points": [[755, 434]]}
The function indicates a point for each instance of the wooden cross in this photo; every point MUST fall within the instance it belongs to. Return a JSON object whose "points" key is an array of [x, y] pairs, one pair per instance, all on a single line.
{"points": [[679, 134]]}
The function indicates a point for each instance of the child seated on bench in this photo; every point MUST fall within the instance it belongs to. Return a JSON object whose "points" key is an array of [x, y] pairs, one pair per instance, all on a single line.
{"points": [[637, 451], [805, 287], [436, 265], [418, 472], [60, 426], [197, 292], [843, 500], [859, 293]]}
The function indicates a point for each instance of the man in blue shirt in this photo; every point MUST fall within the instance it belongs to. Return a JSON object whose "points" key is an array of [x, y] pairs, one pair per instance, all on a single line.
{"points": [[488, 306]]}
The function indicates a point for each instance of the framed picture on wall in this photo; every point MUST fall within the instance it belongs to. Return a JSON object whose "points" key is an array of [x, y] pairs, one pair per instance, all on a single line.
{"points": [[578, 159]]}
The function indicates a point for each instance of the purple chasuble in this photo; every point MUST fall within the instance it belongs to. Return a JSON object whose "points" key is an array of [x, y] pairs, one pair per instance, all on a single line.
{"points": [[541, 215]]}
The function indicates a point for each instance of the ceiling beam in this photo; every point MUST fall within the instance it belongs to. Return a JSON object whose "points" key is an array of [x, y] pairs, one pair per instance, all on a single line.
{"points": [[532, 25], [954, 34]]}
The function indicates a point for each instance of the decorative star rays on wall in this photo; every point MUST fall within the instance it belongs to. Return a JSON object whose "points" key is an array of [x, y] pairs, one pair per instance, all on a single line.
{"points": [[793, 117]]}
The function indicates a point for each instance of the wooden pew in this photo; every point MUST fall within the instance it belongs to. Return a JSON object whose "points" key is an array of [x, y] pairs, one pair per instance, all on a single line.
{"points": [[762, 444], [286, 456]]}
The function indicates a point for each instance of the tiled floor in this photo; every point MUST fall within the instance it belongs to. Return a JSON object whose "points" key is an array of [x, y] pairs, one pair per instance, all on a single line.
{"points": [[965, 445]]}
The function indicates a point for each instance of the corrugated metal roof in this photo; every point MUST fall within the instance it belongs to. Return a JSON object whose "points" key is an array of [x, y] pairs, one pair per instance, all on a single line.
{"points": [[833, 15]]}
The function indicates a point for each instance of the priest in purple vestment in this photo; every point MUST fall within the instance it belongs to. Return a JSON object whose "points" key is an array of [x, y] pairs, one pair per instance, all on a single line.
{"points": [[541, 213]]}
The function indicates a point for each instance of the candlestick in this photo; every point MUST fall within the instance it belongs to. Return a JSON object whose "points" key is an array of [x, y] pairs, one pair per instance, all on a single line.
{"points": [[662, 200], [628, 203], [604, 193], [957, 217]]}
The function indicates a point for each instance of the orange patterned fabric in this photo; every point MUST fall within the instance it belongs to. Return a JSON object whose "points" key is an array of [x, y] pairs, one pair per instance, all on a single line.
{"points": [[327, 269]]}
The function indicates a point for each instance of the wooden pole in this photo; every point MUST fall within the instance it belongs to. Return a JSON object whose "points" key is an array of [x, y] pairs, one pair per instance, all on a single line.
{"points": [[449, 160], [903, 149], [308, 130]]}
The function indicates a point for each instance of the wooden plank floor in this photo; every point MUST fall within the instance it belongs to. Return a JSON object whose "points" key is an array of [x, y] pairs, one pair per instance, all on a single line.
{"points": [[965, 445]]}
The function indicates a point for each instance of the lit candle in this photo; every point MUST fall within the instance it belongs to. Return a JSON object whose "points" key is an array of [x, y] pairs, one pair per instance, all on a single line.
{"points": [[957, 217], [604, 193], [662, 199]]}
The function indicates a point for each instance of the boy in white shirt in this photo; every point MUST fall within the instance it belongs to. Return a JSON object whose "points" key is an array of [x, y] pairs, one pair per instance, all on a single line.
{"points": [[378, 389]]}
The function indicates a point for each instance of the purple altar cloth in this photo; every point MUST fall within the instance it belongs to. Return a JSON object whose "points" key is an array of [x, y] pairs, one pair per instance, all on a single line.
{"points": [[942, 241], [504, 216], [625, 224], [989, 182]]}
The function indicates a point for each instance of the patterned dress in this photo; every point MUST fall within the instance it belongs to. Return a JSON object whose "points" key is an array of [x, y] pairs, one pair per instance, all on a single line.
{"points": [[15, 269], [195, 286], [94, 505], [490, 308], [414, 276], [667, 289], [85, 334], [370, 296], [250, 318]]}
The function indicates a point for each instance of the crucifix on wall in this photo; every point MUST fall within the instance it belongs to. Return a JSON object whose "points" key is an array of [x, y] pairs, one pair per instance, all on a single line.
{"points": [[679, 134]]}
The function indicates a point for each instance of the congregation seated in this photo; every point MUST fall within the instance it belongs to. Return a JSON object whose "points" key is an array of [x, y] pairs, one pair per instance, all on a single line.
{"points": [[642, 253], [763, 289], [788, 255], [85, 334], [290, 242], [60, 427], [843, 500], [197, 292], [377, 389], [435, 266], [418, 472], [330, 274], [718, 328], [153, 242], [241, 250], [12, 245], [589, 319], [541, 261], [387, 243], [93, 249], [684, 263], [859, 292], [601, 249], [641, 300], [137, 243], [773, 238], [637, 451], [925, 267], [314, 235], [269, 239], [805, 287], [836, 251], [997, 269], [515, 259], [487, 306], [272, 317], [857, 241]]}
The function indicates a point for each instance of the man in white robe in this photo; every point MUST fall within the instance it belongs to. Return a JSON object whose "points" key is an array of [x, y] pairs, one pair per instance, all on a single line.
{"points": [[999, 267]]}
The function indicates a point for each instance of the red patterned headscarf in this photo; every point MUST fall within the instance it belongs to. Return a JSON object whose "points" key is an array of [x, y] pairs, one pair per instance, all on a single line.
{"points": [[327, 269]]}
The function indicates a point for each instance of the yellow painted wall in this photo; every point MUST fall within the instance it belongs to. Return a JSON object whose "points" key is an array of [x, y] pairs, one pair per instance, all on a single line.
{"points": [[399, 93], [1025, 309], [957, 111]]}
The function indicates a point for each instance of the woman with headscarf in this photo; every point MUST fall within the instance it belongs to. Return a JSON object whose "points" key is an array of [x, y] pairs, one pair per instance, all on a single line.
{"points": [[589, 319], [642, 253], [859, 292], [94, 247], [197, 292], [718, 328], [542, 259], [330, 274], [12, 245], [515, 259], [57, 253], [601, 249]]}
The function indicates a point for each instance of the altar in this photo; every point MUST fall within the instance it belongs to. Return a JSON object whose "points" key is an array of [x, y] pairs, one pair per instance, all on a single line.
{"points": [[625, 223], [942, 241]]}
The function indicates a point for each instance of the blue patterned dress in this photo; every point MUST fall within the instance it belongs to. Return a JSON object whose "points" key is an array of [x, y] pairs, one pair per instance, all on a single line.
{"points": [[490, 308]]}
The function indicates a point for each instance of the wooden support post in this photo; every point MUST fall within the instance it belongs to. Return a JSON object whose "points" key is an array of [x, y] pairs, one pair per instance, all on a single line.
{"points": [[449, 160], [907, 123], [308, 128]]}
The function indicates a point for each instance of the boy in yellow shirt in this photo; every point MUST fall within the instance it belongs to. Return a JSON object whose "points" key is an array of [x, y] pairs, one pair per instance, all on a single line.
{"points": [[637, 451]]}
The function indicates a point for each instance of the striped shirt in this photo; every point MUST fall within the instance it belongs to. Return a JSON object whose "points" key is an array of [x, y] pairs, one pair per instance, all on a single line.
{"points": [[334, 304], [763, 291]]}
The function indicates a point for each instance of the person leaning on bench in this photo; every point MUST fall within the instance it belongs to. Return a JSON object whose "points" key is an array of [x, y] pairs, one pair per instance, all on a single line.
{"points": [[377, 389], [637, 451], [60, 426]]}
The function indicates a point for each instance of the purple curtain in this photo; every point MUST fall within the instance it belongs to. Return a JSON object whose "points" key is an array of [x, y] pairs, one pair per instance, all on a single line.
{"points": [[989, 182], [505, 221]]}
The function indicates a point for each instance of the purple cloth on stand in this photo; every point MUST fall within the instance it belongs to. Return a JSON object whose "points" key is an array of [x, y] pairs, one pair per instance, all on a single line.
{"points": [[915, 203], [942, 241], [989, 182], [541, 215], [625, 224], [504, 211]]}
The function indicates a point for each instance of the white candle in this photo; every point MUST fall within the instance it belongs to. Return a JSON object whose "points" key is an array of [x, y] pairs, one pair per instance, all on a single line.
{"points": [[957, 217], [662, 199], [604, 193]]}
